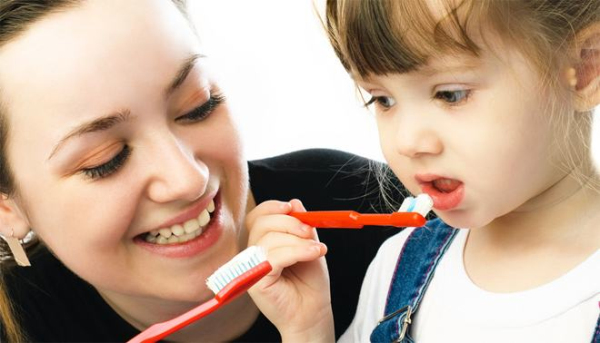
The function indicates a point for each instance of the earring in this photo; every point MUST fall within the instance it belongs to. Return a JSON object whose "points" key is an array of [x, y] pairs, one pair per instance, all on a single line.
{"points": [[572, 77], [16, 249]]}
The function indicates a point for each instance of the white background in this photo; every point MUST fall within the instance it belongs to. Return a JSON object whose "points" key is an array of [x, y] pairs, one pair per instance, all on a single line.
{"points": [[287, 88]]}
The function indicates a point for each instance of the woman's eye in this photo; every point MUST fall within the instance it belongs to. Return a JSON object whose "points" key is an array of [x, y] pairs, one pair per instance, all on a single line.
{"points": [[383, 101], [203, 111], [109, 167], [453, 97]]}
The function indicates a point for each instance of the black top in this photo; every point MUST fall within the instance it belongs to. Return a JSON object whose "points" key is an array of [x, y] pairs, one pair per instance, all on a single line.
{"points": [[53, 304]]}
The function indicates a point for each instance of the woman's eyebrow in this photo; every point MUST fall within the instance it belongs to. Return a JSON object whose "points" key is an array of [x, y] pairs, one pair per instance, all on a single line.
{"points": [[98, 124], [106, 122], [182, 74]]}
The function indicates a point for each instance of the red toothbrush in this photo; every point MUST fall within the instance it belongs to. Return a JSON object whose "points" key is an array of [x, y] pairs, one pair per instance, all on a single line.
{"points": [[355, 220], [412, 213], [229, 281]]}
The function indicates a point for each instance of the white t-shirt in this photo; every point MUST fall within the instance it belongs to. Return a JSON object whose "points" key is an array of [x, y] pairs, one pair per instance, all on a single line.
{"points": [[454, 309]]}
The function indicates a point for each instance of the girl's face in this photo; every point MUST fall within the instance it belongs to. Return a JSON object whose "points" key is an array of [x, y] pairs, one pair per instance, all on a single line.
{"points": [[116, 131], [474, 133]]}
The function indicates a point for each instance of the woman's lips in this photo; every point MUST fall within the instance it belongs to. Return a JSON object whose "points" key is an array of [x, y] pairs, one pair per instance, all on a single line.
{"points": [[209, 236], [446, 193], [191, 248]]}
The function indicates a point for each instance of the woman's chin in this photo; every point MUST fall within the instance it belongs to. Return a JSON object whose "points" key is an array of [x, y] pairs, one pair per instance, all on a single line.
{"points": [[189, 295]]}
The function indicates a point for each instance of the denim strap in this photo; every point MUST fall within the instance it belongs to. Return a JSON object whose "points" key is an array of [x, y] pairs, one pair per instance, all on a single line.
{"points": [[415, 267], [596, 338]]}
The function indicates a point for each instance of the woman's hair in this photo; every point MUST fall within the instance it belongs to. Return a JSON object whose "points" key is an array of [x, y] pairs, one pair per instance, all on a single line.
{"points": [[16, 16], [378, 37]]}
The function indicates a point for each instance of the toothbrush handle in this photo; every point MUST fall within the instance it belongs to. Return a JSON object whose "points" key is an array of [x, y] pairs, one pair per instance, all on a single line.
{"points": [[160, 330], [329, 219], [243, 282], [355, 220], [399, 219], [236, 287]]}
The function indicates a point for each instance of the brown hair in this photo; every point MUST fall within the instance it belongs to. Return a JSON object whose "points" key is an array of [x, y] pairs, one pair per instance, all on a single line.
{"points": [[378, 37], [16, 16], [389, 36]]}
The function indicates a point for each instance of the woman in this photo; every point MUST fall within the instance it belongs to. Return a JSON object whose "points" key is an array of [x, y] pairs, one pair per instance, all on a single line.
{"points": [[119, 152]]}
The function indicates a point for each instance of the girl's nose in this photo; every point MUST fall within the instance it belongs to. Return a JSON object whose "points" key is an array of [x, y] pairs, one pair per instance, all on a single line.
{"points": [[175, 173], [416, 138]]}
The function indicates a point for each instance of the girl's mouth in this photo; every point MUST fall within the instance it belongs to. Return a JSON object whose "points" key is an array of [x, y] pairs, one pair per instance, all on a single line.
{"points": [[446, 193]]}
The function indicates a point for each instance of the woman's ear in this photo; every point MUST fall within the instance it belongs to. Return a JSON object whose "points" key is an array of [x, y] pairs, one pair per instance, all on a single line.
{"points": [[12, 221], [587, 68]]}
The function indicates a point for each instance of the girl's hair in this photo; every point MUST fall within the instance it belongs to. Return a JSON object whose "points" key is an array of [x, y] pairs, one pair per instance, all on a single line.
{"points": [[388, 36], [378, 37], [16, 16]]}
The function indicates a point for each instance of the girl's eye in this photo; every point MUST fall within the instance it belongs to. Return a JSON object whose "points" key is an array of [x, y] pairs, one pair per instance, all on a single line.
{"points": [[109, 167], [383, 101], [453, 97], [203, 111]]}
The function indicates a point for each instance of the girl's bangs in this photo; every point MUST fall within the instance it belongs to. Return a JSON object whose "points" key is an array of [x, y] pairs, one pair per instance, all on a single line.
{"points": [[377, 37]]}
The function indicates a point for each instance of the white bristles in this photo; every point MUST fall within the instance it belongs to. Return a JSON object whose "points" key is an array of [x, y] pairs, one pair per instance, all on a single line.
{"points": [[422, 204], [238, 265]]}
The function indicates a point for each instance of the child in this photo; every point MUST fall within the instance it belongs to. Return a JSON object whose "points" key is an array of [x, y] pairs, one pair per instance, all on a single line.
{"points": [[486, 106]]}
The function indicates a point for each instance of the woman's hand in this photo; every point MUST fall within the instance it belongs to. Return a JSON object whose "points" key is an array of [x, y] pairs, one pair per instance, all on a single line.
{"points": [[295, 295]]}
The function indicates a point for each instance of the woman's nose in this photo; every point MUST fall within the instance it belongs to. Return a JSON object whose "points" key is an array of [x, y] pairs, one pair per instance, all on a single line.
{"points": [[175, 173]]}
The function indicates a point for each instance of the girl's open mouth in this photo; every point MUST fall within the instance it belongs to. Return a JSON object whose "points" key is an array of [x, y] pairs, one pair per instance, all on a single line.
{"points": [[446, 193]]}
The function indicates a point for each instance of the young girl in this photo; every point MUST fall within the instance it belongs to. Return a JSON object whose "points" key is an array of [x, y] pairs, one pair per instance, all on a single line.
{"points": [[486, 106]]}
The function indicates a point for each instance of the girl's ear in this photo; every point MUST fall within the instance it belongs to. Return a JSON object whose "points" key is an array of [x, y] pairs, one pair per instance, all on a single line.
{"points": [[587, 68], [12, 221]]}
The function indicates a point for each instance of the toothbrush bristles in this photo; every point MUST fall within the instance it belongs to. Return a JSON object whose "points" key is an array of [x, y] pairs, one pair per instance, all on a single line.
{"points": [[238, 265], [422, 204]]}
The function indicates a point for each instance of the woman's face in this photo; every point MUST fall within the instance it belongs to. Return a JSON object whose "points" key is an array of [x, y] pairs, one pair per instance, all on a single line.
{"points": [[117, 131]]}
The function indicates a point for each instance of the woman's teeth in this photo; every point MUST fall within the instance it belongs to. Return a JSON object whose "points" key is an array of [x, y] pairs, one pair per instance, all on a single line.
{"points": [[180, 233]]}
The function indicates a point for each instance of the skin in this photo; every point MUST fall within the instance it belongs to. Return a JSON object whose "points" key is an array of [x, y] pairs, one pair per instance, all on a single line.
{"points": [[484, 121], [115, 58]]}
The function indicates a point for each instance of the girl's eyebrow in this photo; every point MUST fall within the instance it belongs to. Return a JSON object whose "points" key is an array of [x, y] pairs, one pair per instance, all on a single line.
{"points": [[429, 70], [452, 66]]}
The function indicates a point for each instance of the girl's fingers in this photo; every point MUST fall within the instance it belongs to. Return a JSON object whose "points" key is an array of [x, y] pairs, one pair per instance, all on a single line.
{"points": [[272, 216], [267, 208], [279, 223], [282, 257], [284, 250], [297, 206]]}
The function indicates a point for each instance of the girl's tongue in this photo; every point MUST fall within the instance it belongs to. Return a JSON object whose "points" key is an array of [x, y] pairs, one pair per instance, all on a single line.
{"points": [[446, 185], [447, 194]]}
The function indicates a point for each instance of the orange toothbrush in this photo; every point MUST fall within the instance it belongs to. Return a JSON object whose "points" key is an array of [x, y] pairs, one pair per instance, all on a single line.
{"points": [[229, 281], [411, 214], [355, 220]]}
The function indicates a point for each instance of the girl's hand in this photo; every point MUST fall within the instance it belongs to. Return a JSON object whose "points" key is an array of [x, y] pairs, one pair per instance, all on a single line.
{"points": [[295, 295]]}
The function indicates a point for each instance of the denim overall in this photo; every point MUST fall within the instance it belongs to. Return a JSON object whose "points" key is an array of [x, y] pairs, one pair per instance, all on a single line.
{"points": [[415, 267]]}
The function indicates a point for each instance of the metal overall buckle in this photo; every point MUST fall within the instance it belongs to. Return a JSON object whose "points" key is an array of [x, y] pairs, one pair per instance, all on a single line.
{"points": [[405, 322]]}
